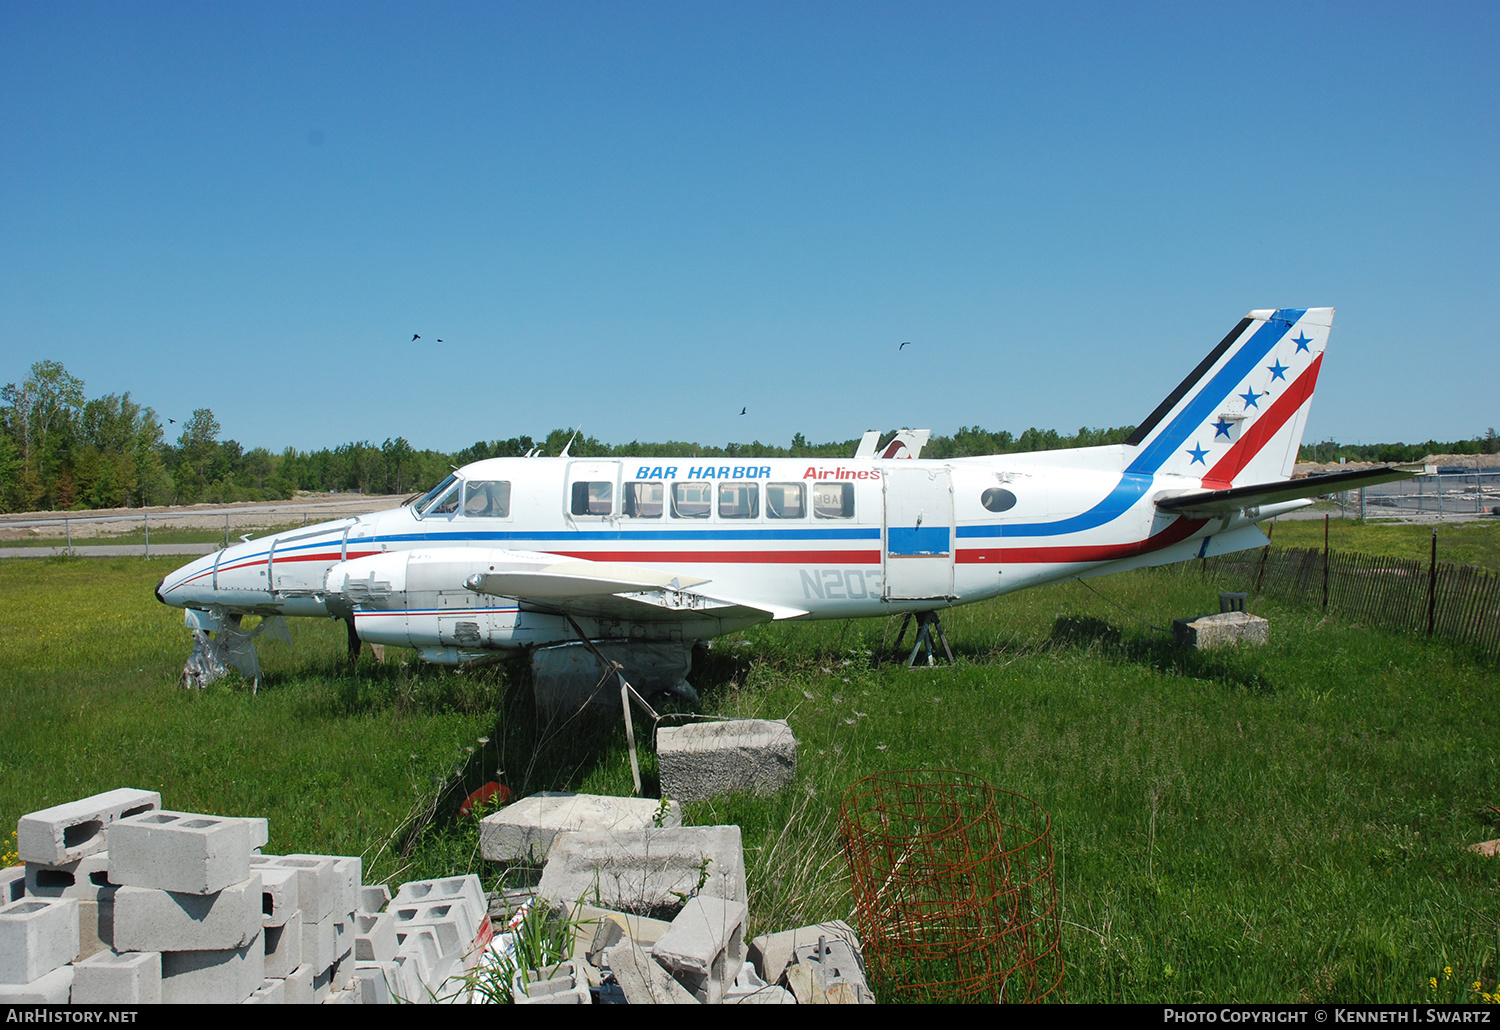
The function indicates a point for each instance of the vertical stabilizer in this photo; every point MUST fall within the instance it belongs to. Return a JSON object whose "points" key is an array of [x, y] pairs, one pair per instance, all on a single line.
{"points": [[1239, 416]]}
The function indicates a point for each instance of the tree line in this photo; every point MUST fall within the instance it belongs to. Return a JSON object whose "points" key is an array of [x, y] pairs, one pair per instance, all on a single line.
{"points": [[60, 451]]}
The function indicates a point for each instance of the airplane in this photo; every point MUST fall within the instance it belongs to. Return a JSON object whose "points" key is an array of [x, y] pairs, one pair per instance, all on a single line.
{"points": [[645, 557]]}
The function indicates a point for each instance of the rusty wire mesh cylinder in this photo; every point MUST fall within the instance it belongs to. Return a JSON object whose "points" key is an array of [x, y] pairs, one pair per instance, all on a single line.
{"points": [[953, 888]]}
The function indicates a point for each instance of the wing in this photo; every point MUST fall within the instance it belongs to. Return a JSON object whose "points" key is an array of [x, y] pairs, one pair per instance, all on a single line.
{"points": [[1200, 504], [614, 591]]}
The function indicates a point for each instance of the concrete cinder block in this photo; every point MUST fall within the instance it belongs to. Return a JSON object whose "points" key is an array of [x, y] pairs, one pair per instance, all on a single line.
{"points": [[345, 882], [375, 937], [270, 992], [299, 986], [373, 897], [707, 759], [37, 935], [318, 882], [376, 983], [283, 946], [50, 989], [224, 977], [84, 878], [180, 851], [648, 872], [12, 884], [318, 941], [1226, 629], [524, 831], [147, 919], [110, 978], [450, 920], [65, 833], [96, 924], [771, 953], [642, 979], [564, 985], [466, 890], [260, 833], [705, 947], [409, 985], [279, 894]]}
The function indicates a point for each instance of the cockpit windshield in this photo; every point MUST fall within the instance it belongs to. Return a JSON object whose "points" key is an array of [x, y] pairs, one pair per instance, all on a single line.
{"points": [[432, 502]]}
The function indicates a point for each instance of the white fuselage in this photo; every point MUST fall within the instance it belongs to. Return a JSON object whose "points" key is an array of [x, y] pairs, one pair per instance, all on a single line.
{"points": [[802, 537]]}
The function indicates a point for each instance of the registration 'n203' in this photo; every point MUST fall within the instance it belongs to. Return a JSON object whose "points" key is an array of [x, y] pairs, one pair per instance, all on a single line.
{"points": [[840, 584]]}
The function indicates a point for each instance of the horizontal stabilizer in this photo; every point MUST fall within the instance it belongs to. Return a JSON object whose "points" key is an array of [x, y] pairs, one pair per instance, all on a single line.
{"points": [[1201, 504]]}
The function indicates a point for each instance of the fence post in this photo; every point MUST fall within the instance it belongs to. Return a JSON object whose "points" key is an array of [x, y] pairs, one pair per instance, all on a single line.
{"points": [[68, 530], [146, 520], [1431, 583], [1265, 553], [1325, 559]]}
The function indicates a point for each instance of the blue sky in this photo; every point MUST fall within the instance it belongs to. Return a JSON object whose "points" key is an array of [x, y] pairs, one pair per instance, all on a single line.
{"points": [[645, 217]]}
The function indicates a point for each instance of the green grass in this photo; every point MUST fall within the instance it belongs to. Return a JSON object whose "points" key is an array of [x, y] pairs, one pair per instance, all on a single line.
{"points": [[1462, 543], [1278, 824]]}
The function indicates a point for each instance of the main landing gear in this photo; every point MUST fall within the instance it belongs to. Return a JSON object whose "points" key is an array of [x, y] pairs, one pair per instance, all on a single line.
{"points": [[926, 623]]}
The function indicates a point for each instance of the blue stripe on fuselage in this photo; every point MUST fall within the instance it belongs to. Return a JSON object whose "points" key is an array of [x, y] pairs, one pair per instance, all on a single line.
{"points": [[1139, 475]]}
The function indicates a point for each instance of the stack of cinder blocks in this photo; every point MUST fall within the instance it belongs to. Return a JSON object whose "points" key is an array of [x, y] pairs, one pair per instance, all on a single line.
{"points": [[122, 902], [659, 909]]}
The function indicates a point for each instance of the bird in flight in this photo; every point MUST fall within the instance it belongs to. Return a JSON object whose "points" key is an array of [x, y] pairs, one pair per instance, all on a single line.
{"points": [[415, 337], [908, 342], [171, 421], [743, 410]]}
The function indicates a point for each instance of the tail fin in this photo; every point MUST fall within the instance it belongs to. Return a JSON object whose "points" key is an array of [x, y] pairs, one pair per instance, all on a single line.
{"points": [[1239, 416]]}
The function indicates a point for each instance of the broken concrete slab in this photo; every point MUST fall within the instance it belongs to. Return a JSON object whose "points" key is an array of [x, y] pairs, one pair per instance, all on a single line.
{"points": [[524, 831], [642, 979], [705, 947], [827, 973], [648, 872], [1226, 629], [771, 953], [707, 759]]}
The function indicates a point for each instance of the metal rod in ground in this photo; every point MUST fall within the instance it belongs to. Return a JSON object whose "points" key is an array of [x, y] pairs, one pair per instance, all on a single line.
{"points": [[69, 530], [146, 521]]}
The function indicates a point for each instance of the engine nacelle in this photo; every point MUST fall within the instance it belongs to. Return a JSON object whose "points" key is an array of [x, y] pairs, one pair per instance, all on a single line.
{"points": [[419, 599]]}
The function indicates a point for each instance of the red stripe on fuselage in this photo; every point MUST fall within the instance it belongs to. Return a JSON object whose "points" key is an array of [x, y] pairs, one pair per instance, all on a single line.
{"points": [[729, 557], [1176, 532], [1221, 476]]}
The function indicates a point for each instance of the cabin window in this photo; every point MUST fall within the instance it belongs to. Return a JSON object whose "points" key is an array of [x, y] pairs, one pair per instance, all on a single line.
{"points": [[421, 503], [995, 499], [833, 500], [786, 501], [593, 498], [691, 500], [644, 500], [447, 501], [486, 499], [739, 500]]}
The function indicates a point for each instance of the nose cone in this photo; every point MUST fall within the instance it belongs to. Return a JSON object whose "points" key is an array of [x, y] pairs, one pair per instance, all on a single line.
{"points": [[188, 585]]}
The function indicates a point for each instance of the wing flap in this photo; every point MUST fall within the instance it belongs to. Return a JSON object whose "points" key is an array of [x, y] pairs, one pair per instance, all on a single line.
{"points": [[1202, 504]]}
